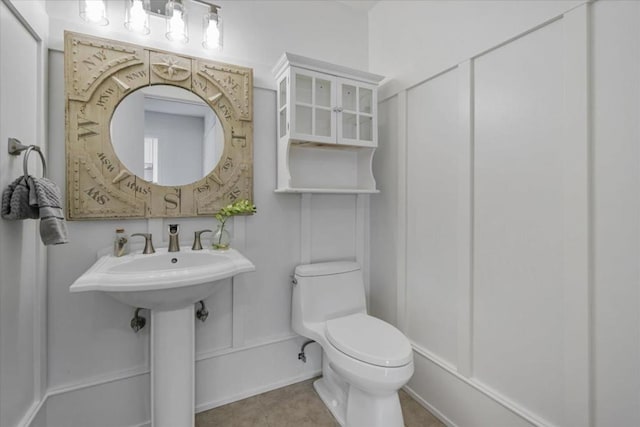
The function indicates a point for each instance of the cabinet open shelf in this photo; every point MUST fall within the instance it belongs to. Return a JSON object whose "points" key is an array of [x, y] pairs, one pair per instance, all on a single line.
{"points": [[327, 168]]}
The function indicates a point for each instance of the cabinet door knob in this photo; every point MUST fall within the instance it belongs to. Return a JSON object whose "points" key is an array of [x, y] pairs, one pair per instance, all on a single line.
{"points": [[337, 109]]}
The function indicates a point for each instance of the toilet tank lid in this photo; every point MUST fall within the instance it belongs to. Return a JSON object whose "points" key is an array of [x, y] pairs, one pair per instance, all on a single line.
{"points": [[326, 268]]}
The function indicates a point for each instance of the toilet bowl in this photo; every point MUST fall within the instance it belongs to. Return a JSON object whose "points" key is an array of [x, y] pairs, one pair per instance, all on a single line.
{"points": [[365, 360]]}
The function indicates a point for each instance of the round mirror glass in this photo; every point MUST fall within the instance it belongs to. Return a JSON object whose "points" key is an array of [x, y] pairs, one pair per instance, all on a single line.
{"points": [[167, 135]]}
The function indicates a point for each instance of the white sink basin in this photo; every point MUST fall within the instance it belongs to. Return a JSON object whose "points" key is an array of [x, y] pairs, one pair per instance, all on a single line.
{"points": [[164, 280]]}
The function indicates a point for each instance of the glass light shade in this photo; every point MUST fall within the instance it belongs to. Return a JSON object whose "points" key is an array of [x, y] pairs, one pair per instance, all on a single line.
{"points": [[177, 27], [136, 16], [94, 11], [212, 31]]}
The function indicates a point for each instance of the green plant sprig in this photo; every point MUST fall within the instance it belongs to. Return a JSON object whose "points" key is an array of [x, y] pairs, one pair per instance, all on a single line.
{"points": [[239, 207]]}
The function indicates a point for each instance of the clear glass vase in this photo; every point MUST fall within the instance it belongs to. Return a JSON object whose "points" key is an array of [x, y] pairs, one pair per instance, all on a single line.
{"points": [[221, 238]]}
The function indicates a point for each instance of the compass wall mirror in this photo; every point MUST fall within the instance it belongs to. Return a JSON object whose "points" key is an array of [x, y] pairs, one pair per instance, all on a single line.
{"points": [[151, 133]]}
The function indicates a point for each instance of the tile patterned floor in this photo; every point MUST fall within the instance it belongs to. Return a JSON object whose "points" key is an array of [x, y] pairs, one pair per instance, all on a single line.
{"points": [[297, 405]]}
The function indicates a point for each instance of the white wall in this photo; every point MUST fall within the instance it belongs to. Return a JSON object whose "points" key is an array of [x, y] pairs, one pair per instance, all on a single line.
{"points": [[23, 34], [411, 40], [246, 346], [519, 288]]}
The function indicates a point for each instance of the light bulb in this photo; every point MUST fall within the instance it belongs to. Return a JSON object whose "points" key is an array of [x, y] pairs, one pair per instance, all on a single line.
{"points": [[213, 34], [177, 29], [94, 11], [137, 17], [212, 30], [177, 24]]}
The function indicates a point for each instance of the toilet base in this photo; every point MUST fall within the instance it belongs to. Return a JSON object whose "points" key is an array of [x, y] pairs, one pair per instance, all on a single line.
{"points": [[332, 391], [361, 409], [336, 407], [366, 410], [352, 407]]}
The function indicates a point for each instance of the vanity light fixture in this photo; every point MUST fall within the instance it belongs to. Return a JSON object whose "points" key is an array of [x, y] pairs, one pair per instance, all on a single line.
{"points": [[175, 12], [94, 11], [136, 16]]}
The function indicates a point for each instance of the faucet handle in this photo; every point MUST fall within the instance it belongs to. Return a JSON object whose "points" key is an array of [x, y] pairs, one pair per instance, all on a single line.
{"points": [[197, 245], [148, 243]]}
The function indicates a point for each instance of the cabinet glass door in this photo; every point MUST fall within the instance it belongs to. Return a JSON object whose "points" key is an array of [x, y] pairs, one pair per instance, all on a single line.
{"points": [[282, 108], [356, 123], [313, 97]]}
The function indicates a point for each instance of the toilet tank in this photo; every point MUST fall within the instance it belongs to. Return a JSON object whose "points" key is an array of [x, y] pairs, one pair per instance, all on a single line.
{"points": [[325, 291]]}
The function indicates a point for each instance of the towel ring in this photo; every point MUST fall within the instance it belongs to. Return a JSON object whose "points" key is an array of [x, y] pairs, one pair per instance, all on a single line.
{"points": [[25, 162], [16, 147]]}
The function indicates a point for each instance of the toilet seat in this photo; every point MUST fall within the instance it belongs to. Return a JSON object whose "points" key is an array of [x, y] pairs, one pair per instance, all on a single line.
{"points": [[369, 340]]}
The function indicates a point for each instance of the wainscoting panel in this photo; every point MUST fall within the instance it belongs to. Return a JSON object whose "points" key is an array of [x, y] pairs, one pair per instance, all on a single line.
{"points": [[384, 216], [432, 186], [498, 237], [224, 376], [518, 220]]}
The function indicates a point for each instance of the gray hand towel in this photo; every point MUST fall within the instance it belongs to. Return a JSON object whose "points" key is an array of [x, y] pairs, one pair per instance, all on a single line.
{"points": [[45, 195], [15, 201], [34, 198]]}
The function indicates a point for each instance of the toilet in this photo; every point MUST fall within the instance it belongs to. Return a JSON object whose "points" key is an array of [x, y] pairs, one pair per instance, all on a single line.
{"points": [[365, 361]]}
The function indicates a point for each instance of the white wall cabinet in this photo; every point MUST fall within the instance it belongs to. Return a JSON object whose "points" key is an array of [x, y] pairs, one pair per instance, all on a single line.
{"points": [[327, 127]]}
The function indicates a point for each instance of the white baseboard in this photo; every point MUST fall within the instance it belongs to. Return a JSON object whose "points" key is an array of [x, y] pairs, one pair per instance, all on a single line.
{"points": [[32, 413], [122, 398], [236, 374], [429, 407], [459, 401]]}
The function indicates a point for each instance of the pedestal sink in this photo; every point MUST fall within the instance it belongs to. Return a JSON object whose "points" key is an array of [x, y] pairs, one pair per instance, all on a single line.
{"points": [[169, 284]]}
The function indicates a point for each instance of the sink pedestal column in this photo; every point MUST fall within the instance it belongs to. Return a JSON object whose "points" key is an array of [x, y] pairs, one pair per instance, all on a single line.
{"points": [[173, 367]]}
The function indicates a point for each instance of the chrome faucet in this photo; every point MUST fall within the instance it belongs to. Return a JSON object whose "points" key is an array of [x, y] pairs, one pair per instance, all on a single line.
{"points": [[148, 243], [174, 245]]}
